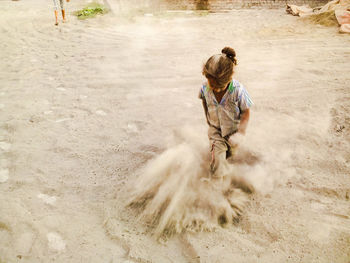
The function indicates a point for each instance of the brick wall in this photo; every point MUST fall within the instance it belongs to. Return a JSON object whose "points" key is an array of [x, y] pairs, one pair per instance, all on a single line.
{"points": [[231, 4], [216, 5]]}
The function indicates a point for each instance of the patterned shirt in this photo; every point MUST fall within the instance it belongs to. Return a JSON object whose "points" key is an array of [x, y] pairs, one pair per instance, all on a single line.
{"points": [[225, 115]]}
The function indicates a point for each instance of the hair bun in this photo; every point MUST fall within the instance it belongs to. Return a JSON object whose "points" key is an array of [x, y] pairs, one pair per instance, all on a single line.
{"points": [[230, 53]]}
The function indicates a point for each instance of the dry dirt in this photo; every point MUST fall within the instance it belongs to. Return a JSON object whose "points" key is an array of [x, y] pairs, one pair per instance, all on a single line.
{"points": [[85, 105]]}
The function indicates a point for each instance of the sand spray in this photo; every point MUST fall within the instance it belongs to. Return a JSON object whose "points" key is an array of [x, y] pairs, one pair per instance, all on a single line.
{"points": [[175, 192]]}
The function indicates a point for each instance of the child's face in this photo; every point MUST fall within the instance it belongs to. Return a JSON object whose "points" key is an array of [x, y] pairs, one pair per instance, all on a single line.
{"points": [[219, 89]]}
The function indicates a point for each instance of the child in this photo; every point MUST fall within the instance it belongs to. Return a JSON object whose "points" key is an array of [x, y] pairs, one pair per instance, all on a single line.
{"points": [[226, 105], [57, 5]]}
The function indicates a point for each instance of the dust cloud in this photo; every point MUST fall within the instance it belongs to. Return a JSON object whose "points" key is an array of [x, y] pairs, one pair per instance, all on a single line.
{"points": [[175, 191]]}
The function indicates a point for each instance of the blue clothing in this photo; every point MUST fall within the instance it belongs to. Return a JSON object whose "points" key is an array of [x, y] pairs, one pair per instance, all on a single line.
{"points": [[225, 115]]}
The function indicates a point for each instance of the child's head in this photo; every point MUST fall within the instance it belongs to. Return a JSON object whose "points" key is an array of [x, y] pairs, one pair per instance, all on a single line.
{"points": [[219, 68]]}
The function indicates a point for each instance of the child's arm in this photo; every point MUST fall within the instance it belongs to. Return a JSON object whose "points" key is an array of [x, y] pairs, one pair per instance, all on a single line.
{"points": [[205, 107], [244, 121], [237, 137], [244, 103], [204, 103]]}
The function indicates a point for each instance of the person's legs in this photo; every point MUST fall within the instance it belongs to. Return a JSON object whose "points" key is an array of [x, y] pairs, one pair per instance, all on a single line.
{"points": [[55, 2], [231, 150], [218, 158], [219, 150], [64, 15], [63, 10]]}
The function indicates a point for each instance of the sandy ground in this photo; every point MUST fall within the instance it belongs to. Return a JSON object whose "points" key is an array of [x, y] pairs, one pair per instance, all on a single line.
{"points": [[84, 105]]}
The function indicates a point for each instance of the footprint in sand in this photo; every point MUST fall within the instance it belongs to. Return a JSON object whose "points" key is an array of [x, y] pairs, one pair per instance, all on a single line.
{"points": [[48, 112], [56, 242], [4, 175], [47, 199]]}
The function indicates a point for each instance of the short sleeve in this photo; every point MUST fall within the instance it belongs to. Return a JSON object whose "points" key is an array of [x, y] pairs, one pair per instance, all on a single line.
{"points": [[243, 98], [200, 94]]}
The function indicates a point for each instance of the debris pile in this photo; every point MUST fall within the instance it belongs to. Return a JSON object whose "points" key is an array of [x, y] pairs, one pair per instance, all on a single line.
{"points": [[336, 12]]}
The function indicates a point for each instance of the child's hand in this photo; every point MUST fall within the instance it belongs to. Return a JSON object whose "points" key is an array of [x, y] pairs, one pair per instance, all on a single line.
{"points": [[236, 139], [241, 130]]}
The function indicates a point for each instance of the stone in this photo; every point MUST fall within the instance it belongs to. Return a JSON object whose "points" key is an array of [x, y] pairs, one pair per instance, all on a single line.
{"points": [[56, 242]]}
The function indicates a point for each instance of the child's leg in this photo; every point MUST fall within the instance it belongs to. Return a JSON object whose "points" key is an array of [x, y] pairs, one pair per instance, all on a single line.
{"points": [[231, 150], [63, 10], [218, 151], [56, 17], [64, 15], [218, 158], [55, 3]]}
